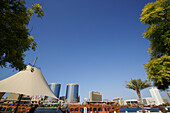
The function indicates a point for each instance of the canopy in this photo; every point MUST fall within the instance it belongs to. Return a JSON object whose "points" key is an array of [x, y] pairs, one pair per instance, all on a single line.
{"points": [[27, 83]]}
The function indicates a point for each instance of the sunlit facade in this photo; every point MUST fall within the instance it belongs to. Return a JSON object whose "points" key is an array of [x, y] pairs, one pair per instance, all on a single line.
{"points": [[95, 96], [72, 93], [148, 101], [168, 92], [55, 87], [156, 96]]}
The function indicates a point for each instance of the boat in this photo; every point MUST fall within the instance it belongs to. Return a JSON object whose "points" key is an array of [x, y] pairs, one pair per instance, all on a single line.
{"points": [[93, 108]]}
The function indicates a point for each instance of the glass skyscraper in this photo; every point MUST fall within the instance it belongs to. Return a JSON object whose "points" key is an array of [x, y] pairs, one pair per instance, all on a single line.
{"points": [[72, 93], [55, 87]]}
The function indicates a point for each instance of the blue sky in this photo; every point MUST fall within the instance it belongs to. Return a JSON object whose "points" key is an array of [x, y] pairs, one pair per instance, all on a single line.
{"points": [[97, 44]]}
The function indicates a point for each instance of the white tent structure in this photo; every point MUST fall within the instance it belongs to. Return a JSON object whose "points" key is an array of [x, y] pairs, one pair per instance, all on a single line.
{"points": [[27, 83]]}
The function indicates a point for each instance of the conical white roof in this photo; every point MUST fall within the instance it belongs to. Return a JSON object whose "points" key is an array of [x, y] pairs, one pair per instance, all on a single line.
{"points": [[28, 83]]}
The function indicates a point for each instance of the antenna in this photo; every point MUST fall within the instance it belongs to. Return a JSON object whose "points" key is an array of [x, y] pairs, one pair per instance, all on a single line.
{"points": [[34, 61]]}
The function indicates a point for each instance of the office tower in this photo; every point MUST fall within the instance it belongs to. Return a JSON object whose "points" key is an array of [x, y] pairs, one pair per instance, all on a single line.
{"points": [[55, 87], [156, 96], [168, 92], [95, 96], [72, 93]]}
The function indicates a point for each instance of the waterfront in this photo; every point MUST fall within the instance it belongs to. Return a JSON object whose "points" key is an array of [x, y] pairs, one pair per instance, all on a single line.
{"points": [[47, 110], [82, 109], [122, 110]]}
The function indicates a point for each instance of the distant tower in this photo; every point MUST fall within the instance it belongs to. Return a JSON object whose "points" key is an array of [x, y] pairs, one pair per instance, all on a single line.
{"points": [[168, 92], [72, 93], [95, 96], [55, 87], [156, 95]]}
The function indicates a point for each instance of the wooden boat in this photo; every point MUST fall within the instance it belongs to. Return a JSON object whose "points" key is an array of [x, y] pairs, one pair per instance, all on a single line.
{"points": [[94, 108], [10, 109]]}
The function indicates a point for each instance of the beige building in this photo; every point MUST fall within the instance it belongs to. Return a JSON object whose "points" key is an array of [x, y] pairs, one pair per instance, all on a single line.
{"points": [[118, 101], [95, 96], [13, 97], [165, 100]]}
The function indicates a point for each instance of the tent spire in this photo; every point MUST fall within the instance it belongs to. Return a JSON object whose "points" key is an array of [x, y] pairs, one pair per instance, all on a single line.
{"points": [[34, 61]]}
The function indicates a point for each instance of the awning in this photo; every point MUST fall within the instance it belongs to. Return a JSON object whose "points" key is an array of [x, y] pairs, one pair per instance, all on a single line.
{"points": [[28, 83]]}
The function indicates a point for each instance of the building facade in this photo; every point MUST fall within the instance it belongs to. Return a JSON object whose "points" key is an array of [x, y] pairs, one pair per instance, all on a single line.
{"points": [[149, 101], [165, 100], [55, 87], [118, 101], [95, 96], [156, 96], [168, 92], [131, 102], [13, 97], [72, 93]]}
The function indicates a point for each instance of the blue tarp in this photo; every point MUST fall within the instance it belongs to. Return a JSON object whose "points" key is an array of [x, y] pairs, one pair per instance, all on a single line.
{"points": [[137, 109], [47, 110]]}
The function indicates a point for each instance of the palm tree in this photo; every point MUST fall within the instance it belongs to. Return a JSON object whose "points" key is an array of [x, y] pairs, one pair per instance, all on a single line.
{"points": [[138, 85]]}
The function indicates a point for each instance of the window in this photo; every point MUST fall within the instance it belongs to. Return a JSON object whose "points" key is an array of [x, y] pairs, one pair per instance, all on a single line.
{"points": [[72, 109], [81, 109], [99, 109], [94, 109], [76, 110]]}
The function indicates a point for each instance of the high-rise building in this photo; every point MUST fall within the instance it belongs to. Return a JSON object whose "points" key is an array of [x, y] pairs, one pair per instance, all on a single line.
{"points": [[72, 93], [95, 96], [168, 92], [55, 87], [156, 96]]}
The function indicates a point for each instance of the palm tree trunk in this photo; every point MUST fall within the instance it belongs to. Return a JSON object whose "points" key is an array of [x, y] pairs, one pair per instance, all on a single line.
{"points": [[141, 103]]}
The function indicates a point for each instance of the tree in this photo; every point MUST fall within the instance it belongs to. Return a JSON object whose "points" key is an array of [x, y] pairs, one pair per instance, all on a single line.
{"points": [[158, 70], [157, 16], [138, 85], [15, 37]]}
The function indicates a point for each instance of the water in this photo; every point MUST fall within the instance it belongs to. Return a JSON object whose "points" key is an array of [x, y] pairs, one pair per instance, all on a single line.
{"points": [[47, 110], [123, 110]]}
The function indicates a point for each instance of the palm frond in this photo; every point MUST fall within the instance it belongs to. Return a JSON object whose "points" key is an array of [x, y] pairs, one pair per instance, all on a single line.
{"points": [[137, 84]]}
